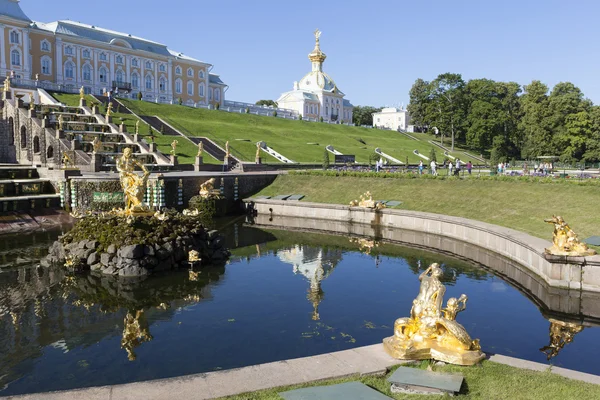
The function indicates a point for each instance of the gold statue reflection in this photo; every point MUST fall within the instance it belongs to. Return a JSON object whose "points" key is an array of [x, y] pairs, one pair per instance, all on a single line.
{"points": [[561, 333], [135, 332]]}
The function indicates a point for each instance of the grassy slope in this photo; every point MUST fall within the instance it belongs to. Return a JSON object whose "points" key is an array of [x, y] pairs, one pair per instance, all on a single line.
{"points": [[490, 381], [514, 204], [186, 150], [288, 137]]}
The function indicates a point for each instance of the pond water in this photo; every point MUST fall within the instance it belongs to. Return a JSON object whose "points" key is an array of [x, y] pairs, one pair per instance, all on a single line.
{"points": [[284, 294]]}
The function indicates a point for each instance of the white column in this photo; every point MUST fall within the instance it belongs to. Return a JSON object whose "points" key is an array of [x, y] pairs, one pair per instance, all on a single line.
{"points": [[3, 51], [156, 91], [128, 68], [96, 73], [170, 80], [59, 63], [111, 63], [26, 53], [142, 77], [78, 75]]}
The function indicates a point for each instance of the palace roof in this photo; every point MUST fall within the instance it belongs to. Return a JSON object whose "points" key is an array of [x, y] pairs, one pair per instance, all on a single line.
{"points": [[11, 9]]}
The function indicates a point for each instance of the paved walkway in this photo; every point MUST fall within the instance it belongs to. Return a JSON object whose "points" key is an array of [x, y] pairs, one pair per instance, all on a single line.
{"points": [[366, 360]]}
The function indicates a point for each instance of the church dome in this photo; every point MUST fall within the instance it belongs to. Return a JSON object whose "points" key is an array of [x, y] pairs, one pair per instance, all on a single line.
{"points": [[318, 80]]}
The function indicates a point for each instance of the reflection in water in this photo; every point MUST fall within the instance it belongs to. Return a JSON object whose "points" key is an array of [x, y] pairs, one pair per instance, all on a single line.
{"points": [[561, 333], [135, 332], [315, 264], [365, 245]]}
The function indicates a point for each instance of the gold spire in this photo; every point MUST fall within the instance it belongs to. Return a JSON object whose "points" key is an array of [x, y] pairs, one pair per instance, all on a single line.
{"points": [[317, 55]]}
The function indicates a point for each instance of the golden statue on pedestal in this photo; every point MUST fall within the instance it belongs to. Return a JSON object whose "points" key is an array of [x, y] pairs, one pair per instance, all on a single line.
{"points": [[137, 127], [61, 122], [208, 191], [432, 331], [97, 145], [108, 110], [82, 93], [174, 146], [200, 149], [258, 150], [227, 153], [366, 201], [565, 241], [134, 185], [561, 333]]}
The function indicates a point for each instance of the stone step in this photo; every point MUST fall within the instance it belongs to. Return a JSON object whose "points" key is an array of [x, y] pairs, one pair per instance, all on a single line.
{"points": [[24, 203]]}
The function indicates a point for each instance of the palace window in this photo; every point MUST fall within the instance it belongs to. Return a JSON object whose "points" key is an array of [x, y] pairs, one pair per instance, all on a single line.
{"points": [[69, 70], [201, 90], [86, 53], [14, 37], [15, 57], [162, 68], [306, 108], [217, 95], [190, 88], [190, 72], [46, 65], [210, 93], [326, 110], [135, 80], [162, 84], [201, 74], [149, 82], [87, 72], [178, 85], [45, 45], [69, 50], [148, 65], [134, 62], [178, 70], [103, 75], [119, 76], [102, 56], [119, 60]]}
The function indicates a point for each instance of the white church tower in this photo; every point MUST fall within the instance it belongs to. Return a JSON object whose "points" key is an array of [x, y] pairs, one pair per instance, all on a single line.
{"points": [[316, 95]]}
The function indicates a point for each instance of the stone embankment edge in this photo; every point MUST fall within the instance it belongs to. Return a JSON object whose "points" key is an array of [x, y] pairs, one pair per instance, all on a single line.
{"points": [[575, 273], [367, 360]]}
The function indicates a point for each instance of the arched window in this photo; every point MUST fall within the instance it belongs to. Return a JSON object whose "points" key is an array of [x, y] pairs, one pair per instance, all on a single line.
{"points": [[217, 95], [15, 57], [69, 50], [102, 56], [162, 68], [210, 93], [119, 76], [201, 74], [103, 75], [14, 37], [190, 88], [50, 153], [69, 70], [23, 137], [134, 62], [326, 110], [190, 72], [306, 108], [135, 80], [201, 90], [11, 131], [45, 45], [36, 144], [86, 53], [87, 72], [119, 60], [162, 84], [178, 86], [178, 70], [149, 82], [46, 65], [148, 65]]}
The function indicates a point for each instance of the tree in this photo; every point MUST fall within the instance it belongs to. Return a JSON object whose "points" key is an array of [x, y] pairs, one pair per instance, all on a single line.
{"points": [[432, 155], [363, 115], [535, 123], [267, 103], [420, 96], [326, 159], [139, 96], [448, 110], [179, 101]]}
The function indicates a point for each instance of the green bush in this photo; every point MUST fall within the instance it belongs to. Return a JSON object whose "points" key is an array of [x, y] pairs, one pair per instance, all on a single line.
{"points": [[326, 160], [139, 96], [179, 101]]}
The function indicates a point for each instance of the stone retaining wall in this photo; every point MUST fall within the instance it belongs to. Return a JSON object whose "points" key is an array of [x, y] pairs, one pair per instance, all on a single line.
{"points": [[571, 273]]}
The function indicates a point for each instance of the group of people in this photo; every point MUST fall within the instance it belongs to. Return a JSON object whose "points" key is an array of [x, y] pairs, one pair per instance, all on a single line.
{"points": [[453, 169], [543, 168]]}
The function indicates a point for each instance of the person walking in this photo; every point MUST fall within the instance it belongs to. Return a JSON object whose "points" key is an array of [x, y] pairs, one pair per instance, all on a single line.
{"points": [[421, 167], [469, 167], [458, 165], [450, 168], [433, 166]]}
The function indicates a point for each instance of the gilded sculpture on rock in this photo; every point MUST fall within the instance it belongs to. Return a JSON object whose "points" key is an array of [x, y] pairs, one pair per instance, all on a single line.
{"points": [[208, 191], [431, 331], [565, 241], [134, 185], [366, 201], [97, 145]]}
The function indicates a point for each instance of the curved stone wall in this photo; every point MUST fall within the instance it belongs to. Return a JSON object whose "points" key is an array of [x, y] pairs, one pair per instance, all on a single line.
{"points": [[570, 273]]}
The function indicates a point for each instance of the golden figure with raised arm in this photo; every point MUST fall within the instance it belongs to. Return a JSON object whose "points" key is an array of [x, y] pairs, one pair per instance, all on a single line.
{"points": [[133, 184]]}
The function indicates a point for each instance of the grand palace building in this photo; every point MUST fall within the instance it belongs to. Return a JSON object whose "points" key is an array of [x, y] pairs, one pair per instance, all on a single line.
{"points": [[66, 55]]}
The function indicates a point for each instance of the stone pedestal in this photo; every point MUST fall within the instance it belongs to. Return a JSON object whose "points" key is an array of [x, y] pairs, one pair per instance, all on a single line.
{"points": [[136, 137], [258, 160], [198, 163], [96, 162], [8, 95], [74, 144], [152, 147], [32, 113], [109, 120], [227, 161], [174, 159], [94, 110], [60, 134], [45, 123], [82, 103], [122, 128]]}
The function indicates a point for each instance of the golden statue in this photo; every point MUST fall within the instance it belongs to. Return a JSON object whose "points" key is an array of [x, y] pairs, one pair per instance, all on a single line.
{"points": [[109, 110], [366, 201], [174, 146], [81, 93], [208, 191], [365, 245], [67, 161], [561, 333], [432, 331], [137, 127], [135, 332], [7, 84], [565, 242], [61, 122], [258, 147], [227, 153], [133, 185], [97, 144], [32, 104], [200, 149]]}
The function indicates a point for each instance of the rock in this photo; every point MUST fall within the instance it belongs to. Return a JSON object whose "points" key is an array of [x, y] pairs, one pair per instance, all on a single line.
{"points": [[132, 270], [110, 270], [163, 253], [149, 262], [149, 251], [96, 267], [179, 254], [105, 258], [212, 234], [82, 244], [217, 243], [112, 249], [91, 244], [93, 258], [169, 247], [164, 265], [133, 251]]}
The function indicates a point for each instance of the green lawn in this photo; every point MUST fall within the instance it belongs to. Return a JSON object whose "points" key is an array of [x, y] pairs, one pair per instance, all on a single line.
{"points": [[488, 381], [514, 203], [300, 141]]}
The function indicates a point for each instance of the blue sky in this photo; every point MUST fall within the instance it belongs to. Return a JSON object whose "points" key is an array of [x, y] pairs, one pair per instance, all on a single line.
{"points": [[375, 49]]}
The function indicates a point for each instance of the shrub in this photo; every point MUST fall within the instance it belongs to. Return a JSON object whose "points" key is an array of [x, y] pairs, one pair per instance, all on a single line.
{"points": [[139, 96], [217, 106], [432, 155], [300, 117], [247, 110], [321, 119], [326, 160], [179, 101], [274, 113]]}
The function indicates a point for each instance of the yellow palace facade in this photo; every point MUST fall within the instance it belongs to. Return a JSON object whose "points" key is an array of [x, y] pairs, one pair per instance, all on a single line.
{"points": [[66, 55]]}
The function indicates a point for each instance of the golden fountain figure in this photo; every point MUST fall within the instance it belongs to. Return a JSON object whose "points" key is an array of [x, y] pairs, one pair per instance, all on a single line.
{"points": [[174, 146], [366, 201], [561, 333], [564, 241], [200, 149], [61, 122], [133, 185], [208, 191], [136, 331], [137, 127], [97, 145], [432, 331], [257, 150], [81, 93], [108, 111], [227, 153]]}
